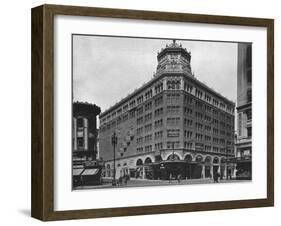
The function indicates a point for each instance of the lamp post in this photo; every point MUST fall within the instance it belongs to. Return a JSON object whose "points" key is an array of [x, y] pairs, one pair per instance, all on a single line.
{"points": [[173, 146], [114, 143], [227, 157]]}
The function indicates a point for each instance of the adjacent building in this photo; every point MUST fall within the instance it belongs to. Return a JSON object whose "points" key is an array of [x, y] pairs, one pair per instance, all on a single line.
{"points": [[244, 111], [84, 137], [173, 124]]}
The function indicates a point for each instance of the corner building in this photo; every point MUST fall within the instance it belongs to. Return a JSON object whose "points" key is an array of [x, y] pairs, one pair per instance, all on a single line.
{"points": [[174, 124]]}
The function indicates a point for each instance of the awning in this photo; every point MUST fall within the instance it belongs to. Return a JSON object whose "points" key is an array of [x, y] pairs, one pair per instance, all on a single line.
{"points": [[90, 171], [77, 172]]}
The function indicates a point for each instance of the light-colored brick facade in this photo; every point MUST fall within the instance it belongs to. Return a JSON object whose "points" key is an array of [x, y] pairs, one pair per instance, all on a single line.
{"points": [[173, 123]]}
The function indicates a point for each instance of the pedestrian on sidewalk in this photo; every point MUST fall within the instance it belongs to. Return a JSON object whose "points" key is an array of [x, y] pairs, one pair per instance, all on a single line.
{"points": [[216, 177], [170, 177], [179, 178]]}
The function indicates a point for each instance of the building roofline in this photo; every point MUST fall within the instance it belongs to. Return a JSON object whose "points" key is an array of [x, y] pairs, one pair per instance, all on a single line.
{"points": [[145, 85]]}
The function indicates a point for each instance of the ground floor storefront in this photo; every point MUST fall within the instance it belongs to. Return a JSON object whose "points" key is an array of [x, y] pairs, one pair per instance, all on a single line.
{"points": [[166, 170], [173, 167]]}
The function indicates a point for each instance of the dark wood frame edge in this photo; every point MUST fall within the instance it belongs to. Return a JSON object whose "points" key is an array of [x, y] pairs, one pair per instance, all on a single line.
{"points": [[42, 197]]}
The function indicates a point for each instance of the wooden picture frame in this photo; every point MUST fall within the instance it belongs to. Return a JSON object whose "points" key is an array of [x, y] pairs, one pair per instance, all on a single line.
{"points": [[42, 203]]}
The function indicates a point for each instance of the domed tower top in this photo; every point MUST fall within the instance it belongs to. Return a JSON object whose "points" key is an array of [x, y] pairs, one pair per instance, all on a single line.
{"points": [[174, 59]]}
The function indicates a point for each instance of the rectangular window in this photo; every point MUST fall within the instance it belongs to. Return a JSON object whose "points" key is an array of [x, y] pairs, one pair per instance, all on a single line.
{"points": [[139, 130], [158, 88], [187, 111], [139, 120], [148, 117], [198, 115], [188, 122], [173, 133], [158, 112], [158, 123], [148, 94], [139, 110], [158, 135], [188, 145], [173, 97], [148, 106], [140, 149], [172, 145], [173, 109], [198, 104], [158, 101], [132, 114], [140, 99], [173, 121], [148, 148], [148, 127], [158, 146], [187, 134]]}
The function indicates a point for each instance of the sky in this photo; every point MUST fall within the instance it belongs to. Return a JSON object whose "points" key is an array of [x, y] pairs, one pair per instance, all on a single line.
{"points": [[107, 69]]}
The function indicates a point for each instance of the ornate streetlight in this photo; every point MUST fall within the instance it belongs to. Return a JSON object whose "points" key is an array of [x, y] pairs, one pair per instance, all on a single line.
{"points": [[114, 143]]}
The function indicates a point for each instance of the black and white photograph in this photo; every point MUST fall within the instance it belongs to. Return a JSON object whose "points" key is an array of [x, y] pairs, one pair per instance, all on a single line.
{"points": [[160, 112]]}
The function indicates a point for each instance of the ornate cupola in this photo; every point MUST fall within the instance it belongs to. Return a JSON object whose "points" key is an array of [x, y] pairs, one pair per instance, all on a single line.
{"points": [[174, 59]]}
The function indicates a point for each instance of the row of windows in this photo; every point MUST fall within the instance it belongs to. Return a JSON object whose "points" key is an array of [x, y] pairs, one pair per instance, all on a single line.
{"points": [[171, 98], [158, 112], [158, 134], [188, 87], [172, 145], [173, 133], [147, 148], [176, 133], [158, 146], [171, 85], [148, 106], [175, 121], [187, 145], [173, 109], [148, 94], [158, 101], [172, 121], [148, 127], [148, 117], [147, 139], [187, 134], [158, 88]]}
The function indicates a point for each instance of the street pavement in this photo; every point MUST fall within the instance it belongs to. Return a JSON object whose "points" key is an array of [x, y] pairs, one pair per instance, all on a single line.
{"points": [[144, 182]]}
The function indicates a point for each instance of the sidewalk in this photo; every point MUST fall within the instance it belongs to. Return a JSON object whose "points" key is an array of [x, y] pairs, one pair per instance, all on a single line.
{"points": [[133, 182]]}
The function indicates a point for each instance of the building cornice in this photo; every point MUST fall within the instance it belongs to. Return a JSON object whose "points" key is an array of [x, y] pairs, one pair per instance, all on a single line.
{"points": [[159, 77]]}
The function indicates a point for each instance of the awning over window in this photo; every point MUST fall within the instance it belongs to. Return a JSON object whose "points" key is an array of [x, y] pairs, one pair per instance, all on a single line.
{"points": [[77, 172], [90, 171]]}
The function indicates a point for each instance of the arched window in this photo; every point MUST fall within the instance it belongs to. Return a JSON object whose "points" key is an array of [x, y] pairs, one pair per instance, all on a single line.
{"points": [[188, 158], [148, 160], [139, 162], [208, 159], [199, 158], [216, 160], [173, 157]]}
